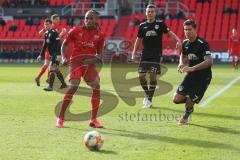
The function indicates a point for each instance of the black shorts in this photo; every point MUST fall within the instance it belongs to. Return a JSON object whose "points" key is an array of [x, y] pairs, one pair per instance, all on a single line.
{"points": [[194, 87], [54, 61], [149, 67]]}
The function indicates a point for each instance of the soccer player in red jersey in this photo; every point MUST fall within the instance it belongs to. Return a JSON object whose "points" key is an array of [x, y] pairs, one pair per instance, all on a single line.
{"points": [[55, 25], [88, 45], [234, 48]]}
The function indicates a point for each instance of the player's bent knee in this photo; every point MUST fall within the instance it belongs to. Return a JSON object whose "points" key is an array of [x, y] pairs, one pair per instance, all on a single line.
{"points": [[94, 83], [178, 99]]}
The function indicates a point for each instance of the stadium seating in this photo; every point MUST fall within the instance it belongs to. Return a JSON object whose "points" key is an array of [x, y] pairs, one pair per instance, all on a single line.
{"points": [[213, 23], [31, 32]]}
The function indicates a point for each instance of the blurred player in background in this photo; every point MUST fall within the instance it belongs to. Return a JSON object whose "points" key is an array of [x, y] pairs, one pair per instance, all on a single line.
{"points": [[53, 45], [199, 73], [234, 48], [88, 46], [62, 32], [150, 34]]}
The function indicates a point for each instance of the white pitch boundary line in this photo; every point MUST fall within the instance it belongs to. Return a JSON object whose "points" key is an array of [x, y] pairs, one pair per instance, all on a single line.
{"points": [[219, 92]]}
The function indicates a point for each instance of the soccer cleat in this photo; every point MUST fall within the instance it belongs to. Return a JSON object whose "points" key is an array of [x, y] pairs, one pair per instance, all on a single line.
{"points": [[48, 89], [95, 124], [59, 123], [145, 100], [147, 104], [63, 86], [37, 81], [183, 121]]}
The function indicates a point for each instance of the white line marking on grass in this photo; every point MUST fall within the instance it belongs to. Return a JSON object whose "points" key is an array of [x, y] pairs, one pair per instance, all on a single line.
{"points": [[219, 92]]}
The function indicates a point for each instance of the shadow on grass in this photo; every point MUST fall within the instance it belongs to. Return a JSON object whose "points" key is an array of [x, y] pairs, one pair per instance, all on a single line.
{"points": [[173, 140], [107, 152], [217, 129], [204, 114]]}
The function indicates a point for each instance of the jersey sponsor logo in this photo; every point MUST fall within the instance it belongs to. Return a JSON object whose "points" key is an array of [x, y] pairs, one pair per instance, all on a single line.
{"points": [[151, 33], [48, 41], [208, 52], [88, 44], [192, 56], [156, 27], [159, 20], [96, 36]]}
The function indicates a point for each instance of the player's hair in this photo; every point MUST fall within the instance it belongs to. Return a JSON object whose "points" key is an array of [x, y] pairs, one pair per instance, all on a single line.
{"points": [[93, 12], [48, 21], [190, 22], [151, 6], [54, 16]]}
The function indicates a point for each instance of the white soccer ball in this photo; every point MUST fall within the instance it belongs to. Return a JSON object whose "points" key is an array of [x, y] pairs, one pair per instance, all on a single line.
{"points": [[93, 140]]}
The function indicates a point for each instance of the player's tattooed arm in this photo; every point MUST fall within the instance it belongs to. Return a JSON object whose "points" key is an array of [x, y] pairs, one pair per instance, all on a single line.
{"points": [[136, 46], [182, 60], [208, 61], [176, 38]]}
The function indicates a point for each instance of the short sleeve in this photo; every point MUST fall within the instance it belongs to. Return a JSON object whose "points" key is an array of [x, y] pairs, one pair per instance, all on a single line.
{"points": [[140, 32], [184, 51], [206, 49], [165, 28]]}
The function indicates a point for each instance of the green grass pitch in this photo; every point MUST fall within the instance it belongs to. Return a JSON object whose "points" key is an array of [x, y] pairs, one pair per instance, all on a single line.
{"points": [[28, 132]]}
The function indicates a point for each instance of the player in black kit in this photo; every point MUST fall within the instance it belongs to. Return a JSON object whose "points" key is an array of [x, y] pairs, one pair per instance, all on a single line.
{"points": [[199, 73], [52, 43], [150, 34]]}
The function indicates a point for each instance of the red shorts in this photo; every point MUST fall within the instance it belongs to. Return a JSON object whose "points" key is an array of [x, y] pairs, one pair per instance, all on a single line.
{"points": [[47, 56], [88, 73]]}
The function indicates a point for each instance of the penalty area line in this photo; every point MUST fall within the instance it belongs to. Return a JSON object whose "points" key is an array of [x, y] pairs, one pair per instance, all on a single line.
{"points": [[219, 92]]}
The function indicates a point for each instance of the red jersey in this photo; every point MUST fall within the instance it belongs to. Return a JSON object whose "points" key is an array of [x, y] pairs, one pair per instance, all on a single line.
{"points": [[234, 46], [57, 27], [86, 42]]}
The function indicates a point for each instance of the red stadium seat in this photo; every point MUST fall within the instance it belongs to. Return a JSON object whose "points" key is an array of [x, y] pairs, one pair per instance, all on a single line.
{"points": [[225, 25]]}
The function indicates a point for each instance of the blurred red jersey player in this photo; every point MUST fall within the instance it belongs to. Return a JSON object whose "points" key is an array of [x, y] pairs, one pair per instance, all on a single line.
{"points": [[61, 31], [88, 43], [234, 48]]}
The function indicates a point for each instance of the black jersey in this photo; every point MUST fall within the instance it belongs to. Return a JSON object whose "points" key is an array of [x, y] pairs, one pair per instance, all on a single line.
{"points": [[152, 39], [52, 43], [196, 51]]}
